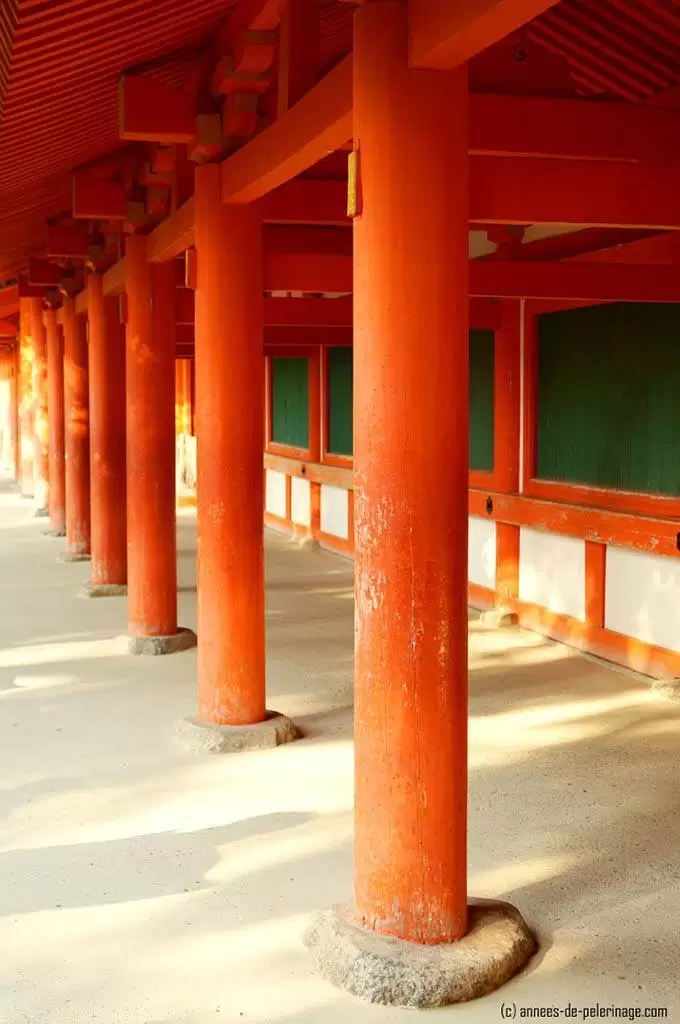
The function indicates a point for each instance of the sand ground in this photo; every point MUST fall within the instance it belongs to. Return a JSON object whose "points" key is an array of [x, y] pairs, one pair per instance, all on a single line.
{"points": [[143, 885]]}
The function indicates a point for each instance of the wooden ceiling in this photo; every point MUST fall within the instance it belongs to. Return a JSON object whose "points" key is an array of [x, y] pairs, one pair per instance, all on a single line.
{"points": [[61, 61]]}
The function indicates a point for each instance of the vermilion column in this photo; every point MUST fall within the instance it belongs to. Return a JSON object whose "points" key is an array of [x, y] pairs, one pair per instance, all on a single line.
{"points": [[6, 368], [77, 433], [229, 438], [25, 381], [411, 522], [107, 443], [55, 412], [229, 370], [411, 509], [16, 429], [182, 396], [150, 430], [41, 430], [57, 513]]}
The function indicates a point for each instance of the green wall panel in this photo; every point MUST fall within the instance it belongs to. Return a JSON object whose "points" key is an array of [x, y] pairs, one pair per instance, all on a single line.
{"points": [[290, 401], [608, 405], [481, 399], [340, 400]]}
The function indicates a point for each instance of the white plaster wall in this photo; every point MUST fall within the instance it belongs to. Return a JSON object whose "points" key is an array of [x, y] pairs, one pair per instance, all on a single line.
{"points": [[482, 552], [642, 596], [552, 572], [275, 493], [300, 501], [335, 511]]}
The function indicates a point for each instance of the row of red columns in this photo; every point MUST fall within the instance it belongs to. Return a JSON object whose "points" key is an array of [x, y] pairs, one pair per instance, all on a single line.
{"points": [[411, 405], [410, 673]]}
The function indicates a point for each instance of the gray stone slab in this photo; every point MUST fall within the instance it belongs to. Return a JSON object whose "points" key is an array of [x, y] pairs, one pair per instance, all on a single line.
{"points": [[205, 738], [390, 971], [152, 646], [103, 590]]}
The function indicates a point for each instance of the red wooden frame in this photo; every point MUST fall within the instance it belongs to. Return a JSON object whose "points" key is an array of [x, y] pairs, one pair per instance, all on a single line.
{"points": [[312, 452], [505, 473], [327, 457], [658, 505]]}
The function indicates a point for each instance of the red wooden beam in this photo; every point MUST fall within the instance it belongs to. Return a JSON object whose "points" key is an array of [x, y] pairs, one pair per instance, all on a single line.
{"points": [[96, 198], [307, 201], [280, 312], [8, 329], [657, 249], [184, 306], [445, 35], [9, 296], [585, 244], [308, 334], [113, 281], [594, 282], [317, 240], [572, 129], [307, 272], [173, 235], [485, 315], [315, 126], [149, 111], [526, 190]]}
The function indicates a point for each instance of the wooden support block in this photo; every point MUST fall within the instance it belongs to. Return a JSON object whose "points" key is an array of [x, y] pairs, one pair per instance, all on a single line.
{"points": [[43, 273], [318, 124], [228, 78], [27, 290], [68, 241], [96, 198], [208, 142], [149, 111], [239, 115]]}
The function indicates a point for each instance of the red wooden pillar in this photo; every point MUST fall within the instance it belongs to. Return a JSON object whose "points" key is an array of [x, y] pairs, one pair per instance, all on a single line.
{"points": [[410, 411], [411, 404], [41, 430], [16, 430], [150, 454], [183, 416], [25, 398], [6, 368], [507, 442], [107, 443], [230, 440], [55, 412], [77, 435]]}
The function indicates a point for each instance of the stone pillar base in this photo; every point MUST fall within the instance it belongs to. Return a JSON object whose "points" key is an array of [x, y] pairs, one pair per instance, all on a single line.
{"points": [[41, 513], [206, 738], [306, 543], [497, 618], [103, 590], [74, 556], [60, 532], [152, 646], [669, 688], [390, 971]]}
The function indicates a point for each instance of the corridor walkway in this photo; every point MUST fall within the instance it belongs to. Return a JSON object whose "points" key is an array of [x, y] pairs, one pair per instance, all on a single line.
{"points": [[142, 885]]}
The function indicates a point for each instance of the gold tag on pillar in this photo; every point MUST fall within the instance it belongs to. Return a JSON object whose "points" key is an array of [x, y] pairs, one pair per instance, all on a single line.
{"points": [[353, 184]]}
